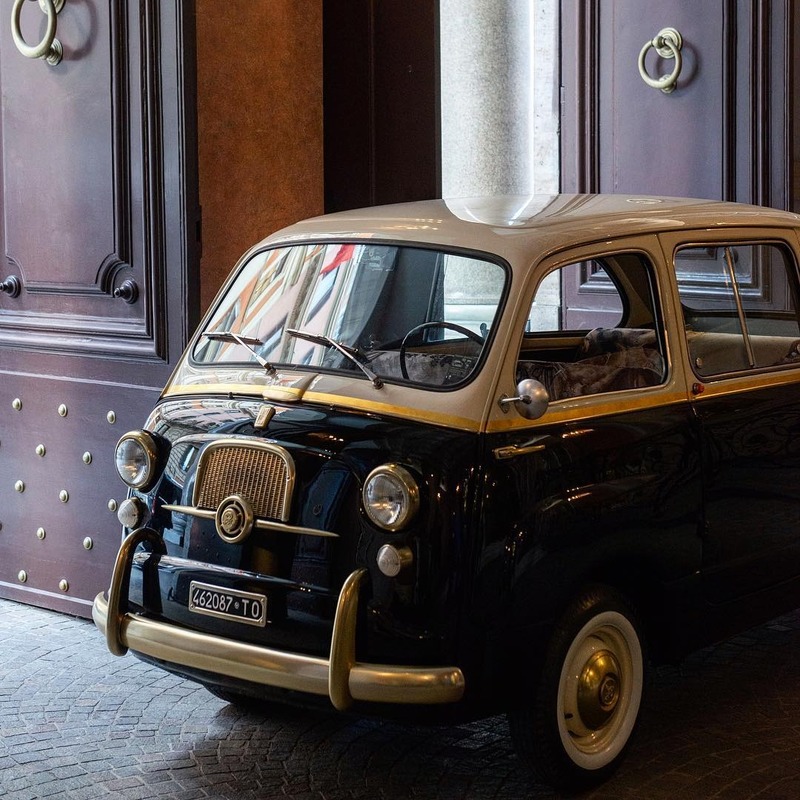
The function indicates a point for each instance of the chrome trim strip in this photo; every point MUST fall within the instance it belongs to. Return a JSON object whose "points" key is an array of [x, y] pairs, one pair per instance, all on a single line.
{"points": [[341, 678], [737, 296], [261, 524], [512, 450]]}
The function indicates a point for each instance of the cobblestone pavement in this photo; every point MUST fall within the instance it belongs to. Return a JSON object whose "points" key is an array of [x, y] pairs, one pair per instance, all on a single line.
{"points": [[77, 723]]}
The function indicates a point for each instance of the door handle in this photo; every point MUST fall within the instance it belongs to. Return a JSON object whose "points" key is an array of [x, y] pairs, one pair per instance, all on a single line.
{"points": [[128, 291], [49, 48], [534, 445], [668, 43], [11, 286]]}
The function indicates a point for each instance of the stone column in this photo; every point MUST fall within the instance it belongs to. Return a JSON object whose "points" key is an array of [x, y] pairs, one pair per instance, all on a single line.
{"points": [[499, 106]]}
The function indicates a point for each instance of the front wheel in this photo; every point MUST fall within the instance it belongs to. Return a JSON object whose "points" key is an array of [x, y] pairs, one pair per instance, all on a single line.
{"points": [[576, 729]]}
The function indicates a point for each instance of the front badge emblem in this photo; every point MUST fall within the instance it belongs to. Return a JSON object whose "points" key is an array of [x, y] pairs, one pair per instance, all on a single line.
{"points": [[234, 519]]}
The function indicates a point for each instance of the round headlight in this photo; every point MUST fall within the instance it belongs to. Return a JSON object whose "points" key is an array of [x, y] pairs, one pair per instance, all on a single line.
{"points": [[391, 496], [135, 459]]}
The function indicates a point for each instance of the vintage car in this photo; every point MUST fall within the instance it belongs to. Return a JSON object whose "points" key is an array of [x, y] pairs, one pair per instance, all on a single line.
{"points": [[457, 458]]}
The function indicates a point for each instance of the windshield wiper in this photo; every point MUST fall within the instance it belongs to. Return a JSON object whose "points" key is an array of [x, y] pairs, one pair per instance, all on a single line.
{"points": [[245, 341], [350, 353]]}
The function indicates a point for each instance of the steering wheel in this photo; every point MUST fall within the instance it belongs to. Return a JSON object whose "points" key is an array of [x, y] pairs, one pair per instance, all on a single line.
{"points": [[434, 324]]}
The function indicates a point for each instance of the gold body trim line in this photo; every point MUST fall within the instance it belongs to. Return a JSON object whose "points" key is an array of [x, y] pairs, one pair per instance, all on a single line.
{"points": [[339, 401], [340, 677]]}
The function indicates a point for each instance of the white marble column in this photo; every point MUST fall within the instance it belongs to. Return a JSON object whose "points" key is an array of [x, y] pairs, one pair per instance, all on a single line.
{"points": [[499, 96]]}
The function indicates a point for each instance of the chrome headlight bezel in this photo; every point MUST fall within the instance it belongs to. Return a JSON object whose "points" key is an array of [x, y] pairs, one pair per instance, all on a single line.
{"points": [[138, 451], [390, 497]]}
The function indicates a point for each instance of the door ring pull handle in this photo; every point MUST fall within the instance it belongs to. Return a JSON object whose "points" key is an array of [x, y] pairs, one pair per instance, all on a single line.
{"points": [[49, 48], [668, 43]]}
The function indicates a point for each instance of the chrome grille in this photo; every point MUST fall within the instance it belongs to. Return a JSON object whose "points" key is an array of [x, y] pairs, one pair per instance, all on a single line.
{"points": [[259, 471]]}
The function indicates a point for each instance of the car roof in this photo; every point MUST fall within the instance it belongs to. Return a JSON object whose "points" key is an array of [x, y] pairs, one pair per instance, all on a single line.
{"points": [[514, 225]]}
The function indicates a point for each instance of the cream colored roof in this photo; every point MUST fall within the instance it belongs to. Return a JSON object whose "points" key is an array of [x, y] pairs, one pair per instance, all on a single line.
{"points": [[514, 226]]}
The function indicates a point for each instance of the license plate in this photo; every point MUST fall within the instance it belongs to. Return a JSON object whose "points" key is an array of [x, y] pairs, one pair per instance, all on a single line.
{"points": [[228, 604]]}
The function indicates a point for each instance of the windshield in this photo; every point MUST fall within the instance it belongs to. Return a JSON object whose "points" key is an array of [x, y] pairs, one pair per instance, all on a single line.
{"points": [[379, 312]]}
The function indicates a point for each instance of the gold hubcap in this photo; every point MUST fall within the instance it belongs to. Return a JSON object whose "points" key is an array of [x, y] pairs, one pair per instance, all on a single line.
{"points": [[598, 689]]}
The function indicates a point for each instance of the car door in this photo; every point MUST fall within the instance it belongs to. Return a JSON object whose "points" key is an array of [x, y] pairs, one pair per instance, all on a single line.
{"points": [[740, 310], [607, 477]]}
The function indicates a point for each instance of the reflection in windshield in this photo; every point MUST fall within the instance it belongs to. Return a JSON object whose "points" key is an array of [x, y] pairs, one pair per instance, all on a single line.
{"points": [[355, 305]]}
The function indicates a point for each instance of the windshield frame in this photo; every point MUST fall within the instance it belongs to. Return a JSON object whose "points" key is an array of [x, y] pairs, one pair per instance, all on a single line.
{"points": [[444, 249]]}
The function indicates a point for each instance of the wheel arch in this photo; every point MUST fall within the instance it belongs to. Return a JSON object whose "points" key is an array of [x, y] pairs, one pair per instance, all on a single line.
{"points": [[642, 584]]}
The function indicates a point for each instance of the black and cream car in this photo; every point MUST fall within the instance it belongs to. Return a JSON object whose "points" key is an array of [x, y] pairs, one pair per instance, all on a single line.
{"points": [[458, 458]]}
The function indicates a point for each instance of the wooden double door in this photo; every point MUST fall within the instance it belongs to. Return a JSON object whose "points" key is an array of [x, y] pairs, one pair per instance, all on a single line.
{"points": [[99, 202], [98, 197]]}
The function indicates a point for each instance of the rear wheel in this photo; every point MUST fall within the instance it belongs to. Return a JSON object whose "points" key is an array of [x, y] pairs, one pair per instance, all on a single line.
{"points": [[575, 732]]}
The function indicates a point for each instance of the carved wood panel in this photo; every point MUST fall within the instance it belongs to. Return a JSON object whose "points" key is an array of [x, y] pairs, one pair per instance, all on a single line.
{"points": [[82, 181]]}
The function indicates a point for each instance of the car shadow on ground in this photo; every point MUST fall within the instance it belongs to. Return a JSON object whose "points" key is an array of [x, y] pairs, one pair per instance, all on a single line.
{"points": [[723, 724]]}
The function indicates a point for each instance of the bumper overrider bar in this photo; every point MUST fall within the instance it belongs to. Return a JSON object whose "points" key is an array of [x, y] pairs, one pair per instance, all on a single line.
{"points": [[340, 677]]}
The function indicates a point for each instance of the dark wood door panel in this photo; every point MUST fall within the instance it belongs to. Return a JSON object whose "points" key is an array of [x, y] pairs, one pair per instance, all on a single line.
{"points": [[722, 133], [58, 486], [636, 123], [81, 183], [98, 188], [380, 102]]}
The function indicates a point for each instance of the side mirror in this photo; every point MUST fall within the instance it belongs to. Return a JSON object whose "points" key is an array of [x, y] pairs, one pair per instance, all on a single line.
{"points": [[531, 401]]}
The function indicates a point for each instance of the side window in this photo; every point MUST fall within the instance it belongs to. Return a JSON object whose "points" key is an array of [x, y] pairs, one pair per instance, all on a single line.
{"points": [[593, 328], [739, 307]]}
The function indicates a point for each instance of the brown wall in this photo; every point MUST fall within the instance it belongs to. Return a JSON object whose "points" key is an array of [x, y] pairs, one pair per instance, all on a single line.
{"points": [[259, 107]]}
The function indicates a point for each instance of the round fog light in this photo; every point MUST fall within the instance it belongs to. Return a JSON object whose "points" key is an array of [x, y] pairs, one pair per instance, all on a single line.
{"points": [[391, 559], [131, 512]]}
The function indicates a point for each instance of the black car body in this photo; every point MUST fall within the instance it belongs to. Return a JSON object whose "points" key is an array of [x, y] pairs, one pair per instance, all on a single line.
{"points": [[451, 459]]}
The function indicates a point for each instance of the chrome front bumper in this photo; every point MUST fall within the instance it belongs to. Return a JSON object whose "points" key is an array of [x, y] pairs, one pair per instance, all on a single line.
{"points": [[340, 676]]}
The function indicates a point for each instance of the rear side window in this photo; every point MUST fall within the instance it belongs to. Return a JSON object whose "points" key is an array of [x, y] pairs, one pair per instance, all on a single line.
{"points": [[740, 307]]}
